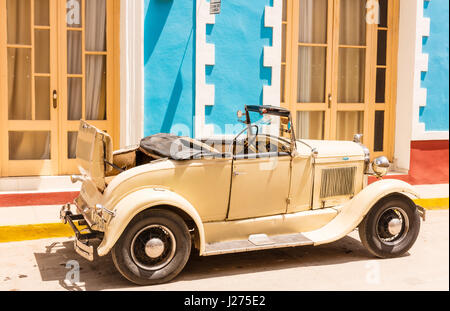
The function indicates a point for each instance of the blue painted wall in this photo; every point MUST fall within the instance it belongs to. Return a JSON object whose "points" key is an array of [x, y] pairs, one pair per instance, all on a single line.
{"points": [[436, 114], [239, 36], [169, 60]]}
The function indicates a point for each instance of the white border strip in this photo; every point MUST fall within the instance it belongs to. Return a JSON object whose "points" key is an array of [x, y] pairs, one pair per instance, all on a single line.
{"points": [[272, 54], [419, 131], [132, 17], [205, 55]]}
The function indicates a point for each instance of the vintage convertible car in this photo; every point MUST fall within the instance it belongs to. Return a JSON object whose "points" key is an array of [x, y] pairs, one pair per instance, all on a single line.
{"points": [[152, 204]]}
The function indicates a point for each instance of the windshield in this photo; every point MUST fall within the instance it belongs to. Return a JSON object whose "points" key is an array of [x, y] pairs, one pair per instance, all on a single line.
{"points": [[269, 124]]}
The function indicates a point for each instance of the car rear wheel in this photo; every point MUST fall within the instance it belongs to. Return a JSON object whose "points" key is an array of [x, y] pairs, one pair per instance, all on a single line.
{"points": [[153, 249], [390, 228]]}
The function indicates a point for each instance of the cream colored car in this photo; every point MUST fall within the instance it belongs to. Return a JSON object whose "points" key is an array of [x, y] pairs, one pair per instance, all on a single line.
{"points": [[151, 205]]}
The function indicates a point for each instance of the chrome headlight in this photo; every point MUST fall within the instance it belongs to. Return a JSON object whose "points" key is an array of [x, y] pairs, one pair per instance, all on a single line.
{"points": [[381, 166]]}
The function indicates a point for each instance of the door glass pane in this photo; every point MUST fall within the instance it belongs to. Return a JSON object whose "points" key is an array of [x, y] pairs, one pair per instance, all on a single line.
{"points": [[349, 123], [95, 87], [283, 82], [352, 27], [382, 47], [310, 124], [42, 93], [72, 145], [284, 10], [379, 131], [96, 25], [283, 43], [313, 21], [380, 95], [41, 12], [18, 14], [74, 98], [73, 13], [42, 51], [29, 145], [351, 79], [19, 84], [383, 12], [311, 74], [74, 52]]}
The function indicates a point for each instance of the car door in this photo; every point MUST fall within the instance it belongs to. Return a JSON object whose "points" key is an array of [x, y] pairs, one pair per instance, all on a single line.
{"points": [[260, 185]]}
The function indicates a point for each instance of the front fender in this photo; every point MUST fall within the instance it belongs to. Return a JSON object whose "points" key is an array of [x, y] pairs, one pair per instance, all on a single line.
{"points": [[354, 211], [134, 203]]}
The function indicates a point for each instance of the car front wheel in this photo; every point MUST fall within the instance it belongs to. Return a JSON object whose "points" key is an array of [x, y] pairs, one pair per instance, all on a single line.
{"points": [[153, 249], [390, 228]]}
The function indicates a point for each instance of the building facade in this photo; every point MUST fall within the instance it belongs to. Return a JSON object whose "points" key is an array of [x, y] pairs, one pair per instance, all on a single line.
{"points": [[136, 68]]}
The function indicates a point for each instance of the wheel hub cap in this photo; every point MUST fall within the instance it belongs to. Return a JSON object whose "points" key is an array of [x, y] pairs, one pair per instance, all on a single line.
{"points": [[395, 226], [154, 248]]}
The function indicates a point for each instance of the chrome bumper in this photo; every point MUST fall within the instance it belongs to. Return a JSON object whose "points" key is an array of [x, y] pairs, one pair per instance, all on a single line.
{"points": [[422, 212], [83, 239]]}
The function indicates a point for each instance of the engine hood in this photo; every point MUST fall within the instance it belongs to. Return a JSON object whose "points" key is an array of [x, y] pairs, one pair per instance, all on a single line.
{"points": [[333, 150]]}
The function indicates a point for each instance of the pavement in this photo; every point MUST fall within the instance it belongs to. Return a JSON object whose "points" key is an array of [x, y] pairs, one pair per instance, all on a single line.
{"points": [[342, 265]]}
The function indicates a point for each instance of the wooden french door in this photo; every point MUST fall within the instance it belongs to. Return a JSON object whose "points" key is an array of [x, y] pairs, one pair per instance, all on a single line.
{"points": [[337, 68], [57, 67]]}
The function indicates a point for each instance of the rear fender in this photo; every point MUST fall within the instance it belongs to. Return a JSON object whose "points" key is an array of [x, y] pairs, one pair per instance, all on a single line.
{"points": [[138, 201], [354, 211]]}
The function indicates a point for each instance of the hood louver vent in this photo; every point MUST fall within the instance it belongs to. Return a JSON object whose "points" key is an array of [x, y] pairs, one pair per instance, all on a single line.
{"points": [[338, 182]]}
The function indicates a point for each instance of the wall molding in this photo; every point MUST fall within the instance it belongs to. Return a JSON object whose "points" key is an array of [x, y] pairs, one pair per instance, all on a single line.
{"points": [[272, 54], [204, 55], [131, 72], [419, 131]]}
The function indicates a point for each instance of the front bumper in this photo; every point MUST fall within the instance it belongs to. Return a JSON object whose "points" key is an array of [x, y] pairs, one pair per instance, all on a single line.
{"points": [[85, 240]]}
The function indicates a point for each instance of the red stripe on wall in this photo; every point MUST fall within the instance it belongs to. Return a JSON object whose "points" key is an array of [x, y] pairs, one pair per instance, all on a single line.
{"points": [[429, 163], [31, 199]]}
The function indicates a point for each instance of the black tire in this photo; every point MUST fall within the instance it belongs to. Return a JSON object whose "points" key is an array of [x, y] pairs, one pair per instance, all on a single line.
{"points": [[130, 254], [378, 238]]}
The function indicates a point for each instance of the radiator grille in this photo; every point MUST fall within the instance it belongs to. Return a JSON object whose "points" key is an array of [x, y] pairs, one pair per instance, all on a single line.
{"points": [[338, 181]]}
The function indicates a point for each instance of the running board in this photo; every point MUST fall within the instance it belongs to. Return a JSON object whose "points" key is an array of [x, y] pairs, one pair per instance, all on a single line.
{"points": [[257, 242]]}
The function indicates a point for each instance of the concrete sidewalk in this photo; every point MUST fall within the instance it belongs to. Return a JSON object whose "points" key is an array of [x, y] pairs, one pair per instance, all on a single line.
{"points": [[20, 223]]}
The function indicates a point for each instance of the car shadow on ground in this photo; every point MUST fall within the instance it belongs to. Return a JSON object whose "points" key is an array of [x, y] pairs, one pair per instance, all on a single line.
{"points": [[58, 261]]}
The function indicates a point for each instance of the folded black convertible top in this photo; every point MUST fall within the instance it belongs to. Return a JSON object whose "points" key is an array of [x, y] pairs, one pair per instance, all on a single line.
{"points": [[173, 147]]}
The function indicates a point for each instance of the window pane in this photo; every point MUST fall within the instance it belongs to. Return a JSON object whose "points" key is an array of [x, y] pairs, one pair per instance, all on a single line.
{"points": [[313, 21], [73, 13], [349, 123], [381, 86], [19, 84], [351, 80], [352, 28], [72, 145], [283, 82], [29, 145], [382, 44], [310, 124], [42, 93], [18, 21], [95, 87], [74, 52], [74, 98], [379, 131], [283, 44], [41, 12], [285, 10], [96, 25], [311, 74], [383, 12], [42, 51]]}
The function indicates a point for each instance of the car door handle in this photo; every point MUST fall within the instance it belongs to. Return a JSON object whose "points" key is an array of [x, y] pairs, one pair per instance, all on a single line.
{"points": [[239, 173]]}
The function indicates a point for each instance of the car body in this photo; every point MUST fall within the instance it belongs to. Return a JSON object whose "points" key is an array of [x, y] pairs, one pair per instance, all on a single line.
{"points": [[150, 204]]}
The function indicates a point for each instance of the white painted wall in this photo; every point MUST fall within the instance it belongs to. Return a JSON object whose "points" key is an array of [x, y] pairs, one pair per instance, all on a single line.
{"points": [[131, 72], [411, 96]]}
